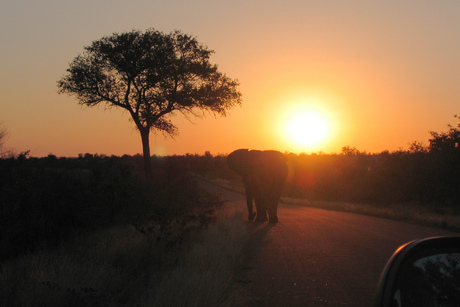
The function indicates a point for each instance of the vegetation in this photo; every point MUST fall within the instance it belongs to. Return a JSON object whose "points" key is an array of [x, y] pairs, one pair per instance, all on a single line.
{"points": [[119, 266], [46, 201], [151, 75], [89, 231], [425, 176], [86, 231], [4, 152], [3, 135], [428, 175]]}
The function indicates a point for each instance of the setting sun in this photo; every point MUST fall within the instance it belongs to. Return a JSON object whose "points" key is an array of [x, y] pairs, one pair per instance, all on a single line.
{"points": [[307, 121], [307, 128]]}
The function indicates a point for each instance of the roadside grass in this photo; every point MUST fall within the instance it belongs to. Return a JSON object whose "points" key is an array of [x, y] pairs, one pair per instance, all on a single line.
{"points": [[444, 217], [206, 274], [121, 267], [407, 212]]}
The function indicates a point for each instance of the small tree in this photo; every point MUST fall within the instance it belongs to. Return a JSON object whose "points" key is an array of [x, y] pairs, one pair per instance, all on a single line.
{"points": [[3, 138], [446, 141], [151, 75], [445, 154]]}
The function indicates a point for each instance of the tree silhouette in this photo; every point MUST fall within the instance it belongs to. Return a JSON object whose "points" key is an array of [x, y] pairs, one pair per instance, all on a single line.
{"points": [[151, 75], [445, 152], [3, 135], [4, 152]]}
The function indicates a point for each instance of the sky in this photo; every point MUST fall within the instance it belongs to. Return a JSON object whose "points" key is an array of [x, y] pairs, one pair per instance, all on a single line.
{"points": [[377, 74]]}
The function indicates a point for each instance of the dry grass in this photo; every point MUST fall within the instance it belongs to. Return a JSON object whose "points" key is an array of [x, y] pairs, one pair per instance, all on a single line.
{"points": [[119, 267], [208, 268], [407, 212]]}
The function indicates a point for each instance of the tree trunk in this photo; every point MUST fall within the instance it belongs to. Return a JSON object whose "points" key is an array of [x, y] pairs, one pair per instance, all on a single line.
{"points": [[147, 158]]}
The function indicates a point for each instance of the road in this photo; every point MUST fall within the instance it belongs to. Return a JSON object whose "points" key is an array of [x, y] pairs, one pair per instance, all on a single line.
{"points": [[316, 257]]}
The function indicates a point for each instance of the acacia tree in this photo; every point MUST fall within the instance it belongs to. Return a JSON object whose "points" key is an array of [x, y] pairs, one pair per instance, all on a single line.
{"points": [[152, 75]]}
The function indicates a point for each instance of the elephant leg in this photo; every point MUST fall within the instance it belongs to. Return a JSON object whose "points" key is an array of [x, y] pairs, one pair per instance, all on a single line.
{"points": [[249, 198], [275, 195], [272, 207], [272, 211], [258, 193], [261, 205]]}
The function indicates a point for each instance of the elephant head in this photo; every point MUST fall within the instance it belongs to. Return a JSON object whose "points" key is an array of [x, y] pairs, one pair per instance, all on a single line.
{"points": [[264, 175]]}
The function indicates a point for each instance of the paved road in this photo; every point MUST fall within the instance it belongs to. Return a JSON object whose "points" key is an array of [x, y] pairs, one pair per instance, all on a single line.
{"points": [[316, 257]]}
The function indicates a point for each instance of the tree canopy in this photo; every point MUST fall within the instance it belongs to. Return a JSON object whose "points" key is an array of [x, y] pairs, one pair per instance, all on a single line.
{"points": [[151, 75]]}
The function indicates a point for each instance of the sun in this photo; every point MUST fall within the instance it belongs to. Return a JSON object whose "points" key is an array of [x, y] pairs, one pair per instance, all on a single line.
{"points": [[307, 128], [306, 121]]}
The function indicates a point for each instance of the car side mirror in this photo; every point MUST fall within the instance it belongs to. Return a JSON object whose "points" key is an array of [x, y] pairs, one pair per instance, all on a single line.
{"points": [[422, 273]]}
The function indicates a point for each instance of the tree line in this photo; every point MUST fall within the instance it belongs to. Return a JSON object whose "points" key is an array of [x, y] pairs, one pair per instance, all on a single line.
{"points": [[46, 200], [426, 174]]}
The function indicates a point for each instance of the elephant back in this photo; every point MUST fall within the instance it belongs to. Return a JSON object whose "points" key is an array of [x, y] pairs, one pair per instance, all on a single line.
{"points": [[269, 163], [273, 164]]}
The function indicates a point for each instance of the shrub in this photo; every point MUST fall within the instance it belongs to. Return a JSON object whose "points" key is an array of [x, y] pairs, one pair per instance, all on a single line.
{"points": [[46, 200]]}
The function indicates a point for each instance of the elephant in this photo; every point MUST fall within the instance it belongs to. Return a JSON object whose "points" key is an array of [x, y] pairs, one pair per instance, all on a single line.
{"points": [[264, 175]]}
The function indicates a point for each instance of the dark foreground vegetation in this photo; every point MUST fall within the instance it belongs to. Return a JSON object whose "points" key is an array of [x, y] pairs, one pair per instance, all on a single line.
{"points": [[45, 201], [88, 231]]}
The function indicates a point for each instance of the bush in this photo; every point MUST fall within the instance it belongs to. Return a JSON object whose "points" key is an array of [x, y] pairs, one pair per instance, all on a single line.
{"points": [[46, 200]]}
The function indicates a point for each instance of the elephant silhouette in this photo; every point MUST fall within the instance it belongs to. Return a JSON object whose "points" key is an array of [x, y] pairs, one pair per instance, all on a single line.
{"points": [[264, 175]]}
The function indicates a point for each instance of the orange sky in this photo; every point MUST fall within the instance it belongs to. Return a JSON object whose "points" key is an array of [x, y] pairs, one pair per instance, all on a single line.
{"points": [[382, 74]]}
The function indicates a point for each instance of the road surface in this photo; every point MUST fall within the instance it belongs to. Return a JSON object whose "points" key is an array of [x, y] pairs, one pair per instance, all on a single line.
{"points": [[316, 257]]}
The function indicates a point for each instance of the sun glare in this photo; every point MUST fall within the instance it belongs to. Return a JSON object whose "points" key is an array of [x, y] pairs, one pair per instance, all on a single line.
{"points": [[306, 122], [307, 128]]}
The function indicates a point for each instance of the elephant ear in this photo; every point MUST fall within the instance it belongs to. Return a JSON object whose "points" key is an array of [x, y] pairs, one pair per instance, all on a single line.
{"points": [[238, 161]]}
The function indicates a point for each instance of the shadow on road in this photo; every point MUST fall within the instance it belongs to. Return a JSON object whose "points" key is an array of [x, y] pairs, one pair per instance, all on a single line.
{"points": [[258, 231], [257, 240]]}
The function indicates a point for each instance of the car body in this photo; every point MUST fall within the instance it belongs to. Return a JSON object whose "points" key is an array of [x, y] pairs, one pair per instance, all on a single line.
{"points": [[422, 273]]}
